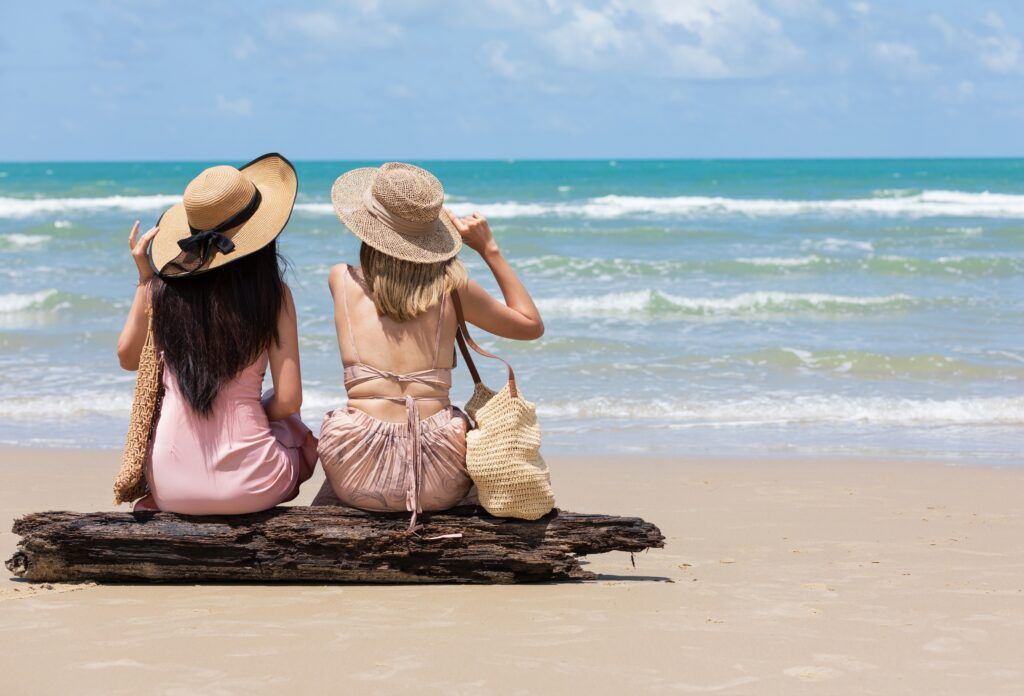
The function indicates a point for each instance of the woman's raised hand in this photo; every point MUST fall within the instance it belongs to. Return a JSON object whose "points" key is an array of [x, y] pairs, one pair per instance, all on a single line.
{"points": [[133, 335], [517, 317], [476, 233], [139, 247]]}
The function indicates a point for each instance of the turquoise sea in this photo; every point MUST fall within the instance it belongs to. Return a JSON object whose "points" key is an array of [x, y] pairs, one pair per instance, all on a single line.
{"points": [[752, 308]]}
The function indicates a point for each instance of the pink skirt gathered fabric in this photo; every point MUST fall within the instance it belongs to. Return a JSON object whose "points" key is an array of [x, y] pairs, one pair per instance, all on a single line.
{"points": [[366, 461], [233, 461]]}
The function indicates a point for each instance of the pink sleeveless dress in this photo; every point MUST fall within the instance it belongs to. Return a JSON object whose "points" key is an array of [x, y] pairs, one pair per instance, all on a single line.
{"points": [[380, 466], [233, 461]]}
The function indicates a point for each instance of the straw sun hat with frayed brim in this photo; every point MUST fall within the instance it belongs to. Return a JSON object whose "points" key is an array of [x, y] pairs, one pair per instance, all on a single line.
{"points": [[397, 209], [226, 214]]}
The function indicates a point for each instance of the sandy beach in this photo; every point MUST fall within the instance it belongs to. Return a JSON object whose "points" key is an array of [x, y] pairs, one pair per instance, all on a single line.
{"points": [[778, 577]]}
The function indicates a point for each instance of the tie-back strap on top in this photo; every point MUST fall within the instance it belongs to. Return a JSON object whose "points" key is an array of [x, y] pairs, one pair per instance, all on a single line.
{"points": [[440, 377]]}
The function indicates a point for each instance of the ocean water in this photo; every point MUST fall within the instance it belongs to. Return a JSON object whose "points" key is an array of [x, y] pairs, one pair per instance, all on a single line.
{"points": [[751, 308]]}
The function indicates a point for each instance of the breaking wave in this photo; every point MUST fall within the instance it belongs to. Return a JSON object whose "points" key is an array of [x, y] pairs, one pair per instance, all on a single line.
{"points": [[800, 409], [26, 207], [768, 409], [923, 204], [655, 302], [556, 266], [918, 205]]}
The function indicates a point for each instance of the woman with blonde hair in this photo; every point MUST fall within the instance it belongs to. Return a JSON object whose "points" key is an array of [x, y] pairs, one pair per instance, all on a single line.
{"points": [[399, 444]]}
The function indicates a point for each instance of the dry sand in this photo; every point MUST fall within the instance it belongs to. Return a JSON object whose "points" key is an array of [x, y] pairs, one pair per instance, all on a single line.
{"points": [[846, 577]]}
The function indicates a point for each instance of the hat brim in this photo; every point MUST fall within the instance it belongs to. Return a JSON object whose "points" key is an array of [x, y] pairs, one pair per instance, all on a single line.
{"points": [[440, 243], [277, 182]]}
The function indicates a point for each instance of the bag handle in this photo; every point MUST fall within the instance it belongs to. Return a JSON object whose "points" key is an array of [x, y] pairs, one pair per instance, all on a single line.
{"points": [[462, 337]]}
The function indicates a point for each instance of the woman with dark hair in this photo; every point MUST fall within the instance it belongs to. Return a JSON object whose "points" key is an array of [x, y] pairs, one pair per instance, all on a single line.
{"points": [[221, 314], [399, 444]]}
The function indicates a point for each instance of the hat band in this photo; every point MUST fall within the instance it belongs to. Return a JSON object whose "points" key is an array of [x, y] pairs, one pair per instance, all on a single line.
{"points": [[375, 208], [235, 220], [196, 248]]}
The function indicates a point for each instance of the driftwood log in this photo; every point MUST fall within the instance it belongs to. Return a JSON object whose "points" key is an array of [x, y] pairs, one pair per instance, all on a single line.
{"points": [[322, 544]]}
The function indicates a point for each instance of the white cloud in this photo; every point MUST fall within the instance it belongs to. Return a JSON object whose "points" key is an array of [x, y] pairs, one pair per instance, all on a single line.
{"points": [[962, 91], [317, 25], [362, 26], [697, 39], [948, 31], [902, 59], [861, 8], [731, 38], [241, 106], [525, 13], [993, 20], [496, 53], [590, 38], [805, 11], [999, 51]]}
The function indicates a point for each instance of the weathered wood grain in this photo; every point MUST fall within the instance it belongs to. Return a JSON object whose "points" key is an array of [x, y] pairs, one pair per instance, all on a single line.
{"points": [[322, 544]]}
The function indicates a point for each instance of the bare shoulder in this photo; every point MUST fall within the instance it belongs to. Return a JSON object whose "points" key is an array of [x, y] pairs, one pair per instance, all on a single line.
{"points": [[288, 302], [337, 273], [473, 290]]}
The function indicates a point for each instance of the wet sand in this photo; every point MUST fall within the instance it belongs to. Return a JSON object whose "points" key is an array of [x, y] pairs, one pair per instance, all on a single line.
{"points": [[838, 577]]}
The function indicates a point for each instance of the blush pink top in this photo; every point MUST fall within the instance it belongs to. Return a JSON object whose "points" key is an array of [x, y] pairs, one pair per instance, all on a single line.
{"points": [[375, 465], [233, 461]]}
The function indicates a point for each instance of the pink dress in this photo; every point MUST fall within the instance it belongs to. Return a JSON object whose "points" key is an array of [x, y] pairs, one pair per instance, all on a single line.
{"points": [[233, 461]]}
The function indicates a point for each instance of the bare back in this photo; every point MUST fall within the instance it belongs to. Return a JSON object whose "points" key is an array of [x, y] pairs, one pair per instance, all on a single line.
{"points": [[421, 345]]}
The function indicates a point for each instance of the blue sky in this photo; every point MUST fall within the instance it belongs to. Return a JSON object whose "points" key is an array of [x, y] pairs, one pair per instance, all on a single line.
{"points": [[412, 79]]}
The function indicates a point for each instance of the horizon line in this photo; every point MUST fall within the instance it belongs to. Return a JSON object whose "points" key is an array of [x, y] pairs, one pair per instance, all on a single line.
{"points": [[512, 160]]}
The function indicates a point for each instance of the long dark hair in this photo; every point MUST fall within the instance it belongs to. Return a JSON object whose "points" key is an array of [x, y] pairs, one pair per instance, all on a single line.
{"points": [[212, 325]]}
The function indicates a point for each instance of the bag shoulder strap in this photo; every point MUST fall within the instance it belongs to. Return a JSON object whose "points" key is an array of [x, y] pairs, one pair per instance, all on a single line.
{"points": [[150, 336], [463, 338]]}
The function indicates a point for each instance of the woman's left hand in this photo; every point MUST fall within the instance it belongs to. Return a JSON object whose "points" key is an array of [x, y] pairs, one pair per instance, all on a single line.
{"points": [[139, 248]]}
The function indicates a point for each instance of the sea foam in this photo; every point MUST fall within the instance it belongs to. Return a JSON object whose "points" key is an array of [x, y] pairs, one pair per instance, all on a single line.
{"points": [[14, 302], [799, 409], [929, 203], [935, 203], [655, 302], [17, 240], [766, 409], [26, 207]]}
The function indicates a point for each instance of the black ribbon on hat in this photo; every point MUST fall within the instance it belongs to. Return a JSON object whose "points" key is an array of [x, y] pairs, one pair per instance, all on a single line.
{"points": [[196, 249], [199, 243]]}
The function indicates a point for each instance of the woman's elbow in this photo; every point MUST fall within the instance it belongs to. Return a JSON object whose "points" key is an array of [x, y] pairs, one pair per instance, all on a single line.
{"points": [[534, 330], [127, 358], [289, 405]]}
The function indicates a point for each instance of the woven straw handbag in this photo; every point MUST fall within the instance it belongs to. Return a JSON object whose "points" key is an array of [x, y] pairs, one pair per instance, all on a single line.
{"points": [[130, 483], [503, 450]]}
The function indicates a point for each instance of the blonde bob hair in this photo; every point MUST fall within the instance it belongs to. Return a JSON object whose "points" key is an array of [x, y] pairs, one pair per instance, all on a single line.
{"points": [[403, 289]]}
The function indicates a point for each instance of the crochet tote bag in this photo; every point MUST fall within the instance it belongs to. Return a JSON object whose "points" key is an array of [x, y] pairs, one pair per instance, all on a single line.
{"points": [[130, 483], [503, 450]]}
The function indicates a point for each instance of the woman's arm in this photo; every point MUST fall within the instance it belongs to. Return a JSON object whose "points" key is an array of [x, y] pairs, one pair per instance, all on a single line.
{"points": [[133, 335], [517, 317], [284, 364]]}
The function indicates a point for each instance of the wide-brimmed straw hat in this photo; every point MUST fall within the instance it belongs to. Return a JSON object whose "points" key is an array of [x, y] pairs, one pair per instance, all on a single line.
{"points": [[226, 214], [397, 209]]}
